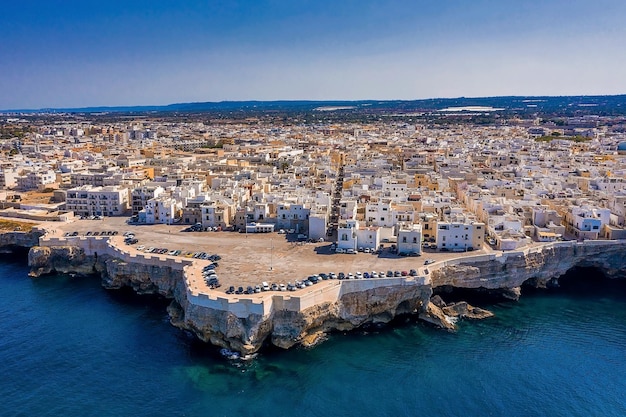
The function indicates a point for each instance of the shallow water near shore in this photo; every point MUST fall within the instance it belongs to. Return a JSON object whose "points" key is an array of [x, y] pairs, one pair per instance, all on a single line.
{"points": [[69, 347]]}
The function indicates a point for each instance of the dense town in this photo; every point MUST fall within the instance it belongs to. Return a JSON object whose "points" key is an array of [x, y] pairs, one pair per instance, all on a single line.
{"points": [[362, 186]]}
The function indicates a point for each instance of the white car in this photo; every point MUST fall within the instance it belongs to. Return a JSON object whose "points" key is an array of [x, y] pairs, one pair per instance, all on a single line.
{"points": [[429, 261], [140, 247], [340, 250]]}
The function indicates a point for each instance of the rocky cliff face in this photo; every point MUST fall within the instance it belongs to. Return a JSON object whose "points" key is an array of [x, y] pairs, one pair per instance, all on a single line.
{"points": [[10, 240], [142, 278], [115, 273], [63, 259], [537, 268], [287, 328]]}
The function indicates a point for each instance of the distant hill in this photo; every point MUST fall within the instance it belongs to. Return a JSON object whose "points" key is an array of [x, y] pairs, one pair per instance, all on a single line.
{"points": [[566, 105]]}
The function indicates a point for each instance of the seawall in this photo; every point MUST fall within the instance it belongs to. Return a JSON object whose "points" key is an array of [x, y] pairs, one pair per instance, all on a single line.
{"points": [[246, 322]]}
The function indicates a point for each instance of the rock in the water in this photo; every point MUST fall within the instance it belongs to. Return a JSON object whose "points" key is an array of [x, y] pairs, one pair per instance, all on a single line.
{"points": [[434, 315], [464, 310]]}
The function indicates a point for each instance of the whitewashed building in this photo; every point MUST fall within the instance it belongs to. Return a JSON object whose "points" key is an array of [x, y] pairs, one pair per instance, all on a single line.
{"points": [[410, 239], [457, 236]]}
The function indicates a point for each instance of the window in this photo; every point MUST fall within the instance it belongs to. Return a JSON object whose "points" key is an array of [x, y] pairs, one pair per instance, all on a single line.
{"points": [[414, 240], [344, 236], [403, 239]]}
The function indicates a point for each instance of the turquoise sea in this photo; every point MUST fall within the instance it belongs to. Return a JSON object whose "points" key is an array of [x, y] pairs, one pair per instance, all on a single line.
{"points": [[69, 347]]}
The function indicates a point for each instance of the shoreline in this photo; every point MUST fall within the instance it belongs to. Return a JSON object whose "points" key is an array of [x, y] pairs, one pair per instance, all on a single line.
{"points": [[244, 323]]}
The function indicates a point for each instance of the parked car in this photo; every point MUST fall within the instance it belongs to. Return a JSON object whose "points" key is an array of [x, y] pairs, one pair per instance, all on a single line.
{"points": [[429, 261]]}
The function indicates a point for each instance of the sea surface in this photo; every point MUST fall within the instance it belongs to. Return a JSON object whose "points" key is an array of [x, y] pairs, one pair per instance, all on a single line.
{"points": [[69, 347]]}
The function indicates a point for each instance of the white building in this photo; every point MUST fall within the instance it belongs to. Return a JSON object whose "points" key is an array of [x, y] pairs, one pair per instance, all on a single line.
{"points": [[456, 236], [141, 195], [160, 210], [317, 226], [347, 235], [8, 177], [36, 180], [292, 216], [410, 239], [587, 222], [97, 201], [379, 213], [368, 237]]}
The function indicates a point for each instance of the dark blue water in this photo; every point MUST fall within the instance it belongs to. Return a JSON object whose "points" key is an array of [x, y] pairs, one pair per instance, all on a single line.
{"points": [[69, 347]]}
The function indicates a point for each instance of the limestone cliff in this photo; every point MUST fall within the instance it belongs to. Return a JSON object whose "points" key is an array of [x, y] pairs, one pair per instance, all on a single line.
{"points": [[247, 333], [142, 278], [10, 240], [115, 273], [537, 267], [285, 328], [63, 259]]}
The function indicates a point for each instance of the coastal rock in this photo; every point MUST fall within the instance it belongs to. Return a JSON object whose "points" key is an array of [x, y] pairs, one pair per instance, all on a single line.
{"points": [[435, 316], [539, 267], [353, 307], [142, 278], [11, 240], [284, 328], [464, 310], [63, 259]]}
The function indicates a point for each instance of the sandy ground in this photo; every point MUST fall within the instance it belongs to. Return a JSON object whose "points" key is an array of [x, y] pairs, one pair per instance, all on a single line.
{"points": [[253, 258]]}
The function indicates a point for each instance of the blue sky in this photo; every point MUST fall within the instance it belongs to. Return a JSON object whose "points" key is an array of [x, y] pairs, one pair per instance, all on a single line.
{"points": [[141, 52]]}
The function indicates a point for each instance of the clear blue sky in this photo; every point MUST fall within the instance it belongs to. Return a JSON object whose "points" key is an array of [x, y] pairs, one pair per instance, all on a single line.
{"points": [[67, 53]]}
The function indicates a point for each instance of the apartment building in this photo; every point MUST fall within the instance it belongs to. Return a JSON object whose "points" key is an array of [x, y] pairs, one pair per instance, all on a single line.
{"points": [[36, 180], [98, 201], [141, 195], [460, 236]]}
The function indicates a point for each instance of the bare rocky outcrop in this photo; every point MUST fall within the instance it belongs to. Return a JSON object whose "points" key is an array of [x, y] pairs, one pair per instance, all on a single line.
{"points": [[19, 239], [63, 259], [538, 267], [435, 316], [248, 332], [284, 328], [463, 310]]}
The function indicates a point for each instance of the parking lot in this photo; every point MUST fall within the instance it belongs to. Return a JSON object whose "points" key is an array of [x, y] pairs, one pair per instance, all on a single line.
{"points": [[249, 259]]}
